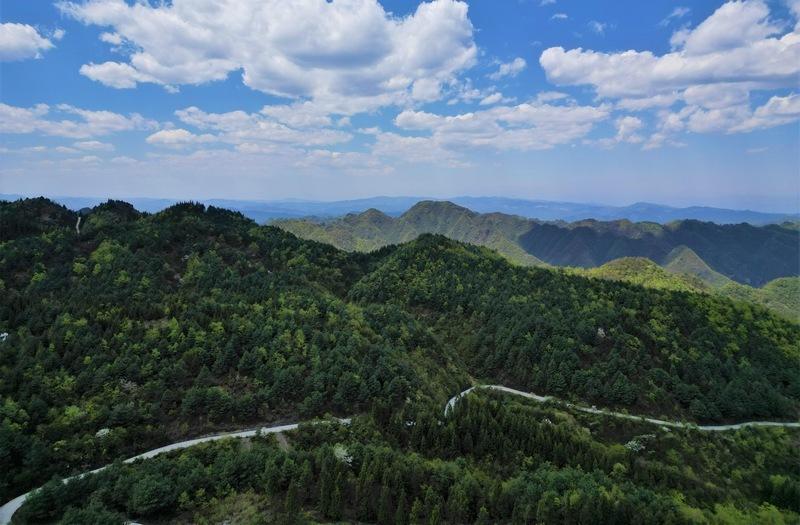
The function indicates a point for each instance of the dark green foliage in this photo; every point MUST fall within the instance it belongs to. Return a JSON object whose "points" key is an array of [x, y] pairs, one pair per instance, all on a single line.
{"points": [[147, 328], [611, 343], [747, 254], [562, 470]]}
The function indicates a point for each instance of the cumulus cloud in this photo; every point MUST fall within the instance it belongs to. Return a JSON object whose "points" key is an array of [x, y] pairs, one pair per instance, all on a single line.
{"points": [[628, 128], [352, 56], [178, 138], [69, 121], [298, 125], [524, 127], [93, 145], [656, 101], [735, 44], [21, 41], [712, 71], [494, 98], [509, 69], [559, 16]]}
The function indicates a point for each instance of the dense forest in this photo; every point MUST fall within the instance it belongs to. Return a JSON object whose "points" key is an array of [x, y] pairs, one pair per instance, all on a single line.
{"points": [[491, 460], [133, 330], [743, 253], [760, 265]]}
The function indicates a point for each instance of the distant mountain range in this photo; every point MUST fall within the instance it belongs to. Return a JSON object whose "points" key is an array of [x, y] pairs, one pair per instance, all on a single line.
{"points": [[731, 260], [261, 211]]}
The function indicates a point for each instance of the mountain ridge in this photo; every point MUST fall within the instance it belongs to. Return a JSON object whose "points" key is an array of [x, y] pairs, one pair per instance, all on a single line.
{"points": [[265, 210]]}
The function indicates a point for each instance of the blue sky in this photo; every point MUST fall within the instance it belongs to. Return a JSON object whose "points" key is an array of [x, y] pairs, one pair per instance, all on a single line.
{"points": [[614, 102]]}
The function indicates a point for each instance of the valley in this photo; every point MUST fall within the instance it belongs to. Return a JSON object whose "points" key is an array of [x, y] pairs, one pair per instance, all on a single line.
{"points": [[756, 264]]}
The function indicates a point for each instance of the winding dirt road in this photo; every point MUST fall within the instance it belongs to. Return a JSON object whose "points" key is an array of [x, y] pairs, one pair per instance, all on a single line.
{"points": [[8, 510], [591, 410]]}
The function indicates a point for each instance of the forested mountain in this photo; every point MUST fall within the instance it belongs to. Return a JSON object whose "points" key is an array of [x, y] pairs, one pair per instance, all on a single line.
{"points": [[747, 254], [144, 328], [373, 229], [781, 295], [744, 253]]}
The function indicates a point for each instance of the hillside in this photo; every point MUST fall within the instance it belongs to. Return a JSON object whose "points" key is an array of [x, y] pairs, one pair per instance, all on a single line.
{"points": [[644, 272], [746, 254], [372, 229], [687, 272], [148, 328], [715, 253]]}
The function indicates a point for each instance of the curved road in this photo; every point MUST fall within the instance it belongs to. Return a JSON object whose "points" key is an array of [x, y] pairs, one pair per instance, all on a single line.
{"points": [[8, 510], [674, 424]]}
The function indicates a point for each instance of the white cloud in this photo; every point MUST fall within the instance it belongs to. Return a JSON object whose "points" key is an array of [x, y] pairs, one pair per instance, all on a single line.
{"points": [[509, 69], [559, 16], [115, 74], [81, 123], [550, 96], [777, 111], [178, 138], [728, 114], [598, 28], [274, 124], [21, 41], [524, 127], [705, 84], [494, 98], [676, 14], [735, 44], [656, 101], [67, 150], [351, 56], [628, 128], [124, 160], [354, 163], [546, 2], [734, 25], [94, 145], [299, 115], [111, 38], [424, 150]]}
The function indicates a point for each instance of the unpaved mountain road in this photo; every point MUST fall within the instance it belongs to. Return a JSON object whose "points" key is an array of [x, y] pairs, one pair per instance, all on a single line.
{"points": [[8, 510], [591, 410]]}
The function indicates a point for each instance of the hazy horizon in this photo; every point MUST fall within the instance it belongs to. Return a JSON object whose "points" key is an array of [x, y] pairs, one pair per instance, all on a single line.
{"points": [[130, 198]]}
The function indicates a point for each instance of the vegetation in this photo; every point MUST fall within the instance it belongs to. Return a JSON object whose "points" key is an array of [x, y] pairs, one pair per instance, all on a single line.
{"points": [[746, 254], [615, 250], [146, 328], [491, 460], [373, 229], [782, 295]]}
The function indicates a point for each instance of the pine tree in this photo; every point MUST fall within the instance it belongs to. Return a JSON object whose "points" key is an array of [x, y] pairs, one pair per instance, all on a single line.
{"points": [[400, 515], [483, 517], [336, 502], [417, 513], [385, 503], [291, 504]]}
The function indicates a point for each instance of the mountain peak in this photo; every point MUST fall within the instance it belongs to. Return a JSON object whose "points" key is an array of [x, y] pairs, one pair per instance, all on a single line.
{"points": [[441, 208]]}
